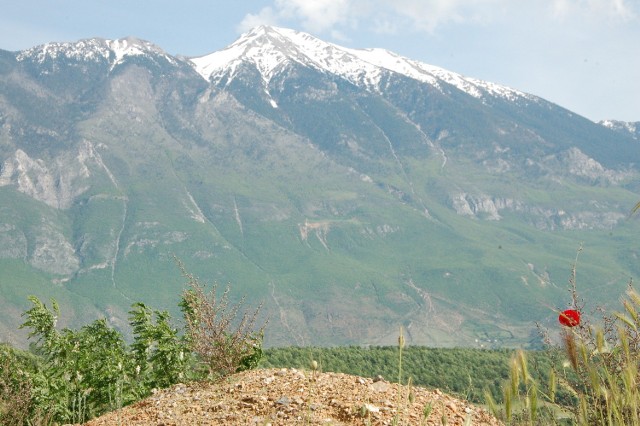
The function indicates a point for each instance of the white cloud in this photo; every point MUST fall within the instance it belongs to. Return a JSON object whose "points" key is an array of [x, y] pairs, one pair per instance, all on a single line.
{"points": [[316, 15], [266, 16], [387, 17], [594, 9], [428, 15], [326, 16]]}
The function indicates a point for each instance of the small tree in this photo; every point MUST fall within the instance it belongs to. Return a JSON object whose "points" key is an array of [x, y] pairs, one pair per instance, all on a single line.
{"points": [[161, 356], [86, 370], [91, 370]]}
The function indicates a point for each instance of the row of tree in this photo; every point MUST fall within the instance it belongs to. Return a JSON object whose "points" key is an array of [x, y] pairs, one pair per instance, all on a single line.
{"points": [[464, 372]]}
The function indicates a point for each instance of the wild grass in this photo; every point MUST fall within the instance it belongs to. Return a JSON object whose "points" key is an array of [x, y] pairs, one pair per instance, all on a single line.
{"points": [[312, 388], [596, 370], [405, 396]]}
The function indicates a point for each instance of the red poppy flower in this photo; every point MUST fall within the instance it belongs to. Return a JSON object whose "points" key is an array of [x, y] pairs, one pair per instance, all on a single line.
{"points": [[569, 317]]}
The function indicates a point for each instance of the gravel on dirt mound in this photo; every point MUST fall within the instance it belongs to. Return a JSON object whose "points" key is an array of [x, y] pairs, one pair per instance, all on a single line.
{"points": [[296, 397]]}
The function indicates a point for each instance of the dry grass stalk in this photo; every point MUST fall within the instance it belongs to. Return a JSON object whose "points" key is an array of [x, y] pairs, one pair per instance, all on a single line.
{"points": [[15, 398], [604, 375], [214, 333], [17, 407]]}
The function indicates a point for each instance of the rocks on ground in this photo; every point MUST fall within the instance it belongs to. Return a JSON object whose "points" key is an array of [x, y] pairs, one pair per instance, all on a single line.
{"points": [[292, 397]]}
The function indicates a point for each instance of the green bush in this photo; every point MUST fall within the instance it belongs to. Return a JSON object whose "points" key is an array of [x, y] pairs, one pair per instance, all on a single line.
{"points": [[89, 371], [71, 376]]}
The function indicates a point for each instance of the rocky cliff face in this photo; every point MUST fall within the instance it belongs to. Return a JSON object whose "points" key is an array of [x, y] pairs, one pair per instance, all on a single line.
{"points": [[57, 182]]}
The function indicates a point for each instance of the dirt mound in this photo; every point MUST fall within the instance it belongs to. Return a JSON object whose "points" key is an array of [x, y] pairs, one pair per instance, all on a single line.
{"points": [[292, 397]]}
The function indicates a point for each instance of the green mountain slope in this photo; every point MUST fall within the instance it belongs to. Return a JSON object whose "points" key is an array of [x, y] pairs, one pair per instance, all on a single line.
{"points": [[346, 210]]}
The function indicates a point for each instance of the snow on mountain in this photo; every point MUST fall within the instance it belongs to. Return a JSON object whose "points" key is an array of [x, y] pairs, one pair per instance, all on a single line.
{"points": [[632, 128], [135, 47], [93, 50], [431, 74], [271, 48]]}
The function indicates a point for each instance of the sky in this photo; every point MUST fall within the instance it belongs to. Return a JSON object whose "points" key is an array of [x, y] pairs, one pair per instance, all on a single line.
{"points": [[581, 54]]}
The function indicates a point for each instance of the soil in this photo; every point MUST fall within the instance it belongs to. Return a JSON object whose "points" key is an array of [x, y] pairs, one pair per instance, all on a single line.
{"points": [[295, 397]]}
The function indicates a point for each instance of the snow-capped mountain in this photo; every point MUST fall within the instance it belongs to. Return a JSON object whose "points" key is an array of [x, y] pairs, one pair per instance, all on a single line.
{"points": [[113, 52], [271, 49], [349, 190]]}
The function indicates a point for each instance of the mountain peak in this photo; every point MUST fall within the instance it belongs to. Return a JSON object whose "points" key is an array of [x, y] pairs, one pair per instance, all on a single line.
{"points": [[269, 49], [132, 46], [267, 30]]}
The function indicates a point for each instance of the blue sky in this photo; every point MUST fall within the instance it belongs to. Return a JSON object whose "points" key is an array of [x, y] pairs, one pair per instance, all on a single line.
{"points": [[582, 54]]}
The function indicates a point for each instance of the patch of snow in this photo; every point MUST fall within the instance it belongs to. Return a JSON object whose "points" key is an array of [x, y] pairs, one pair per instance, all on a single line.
{"points": [[130, 46], [86, 50], [271, 100], [631, 127]]}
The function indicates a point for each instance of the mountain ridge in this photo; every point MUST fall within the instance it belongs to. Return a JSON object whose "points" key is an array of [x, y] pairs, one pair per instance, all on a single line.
{"points": [[94, 49], [268, 47], [206, 65]]}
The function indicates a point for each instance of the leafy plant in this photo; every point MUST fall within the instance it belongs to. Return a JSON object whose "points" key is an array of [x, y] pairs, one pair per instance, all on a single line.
{"points": [[161, 355], [86, 369], [80, 374]]}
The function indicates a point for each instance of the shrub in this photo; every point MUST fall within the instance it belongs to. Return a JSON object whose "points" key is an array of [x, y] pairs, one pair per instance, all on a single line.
{"points": [[161, 356], [86, 371], [18, 389], [221, 342]]}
